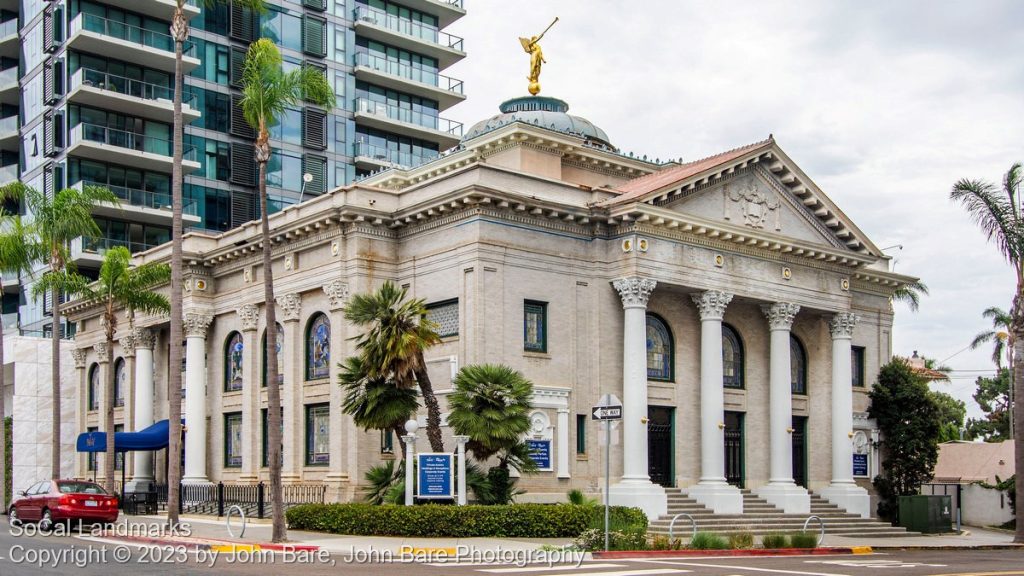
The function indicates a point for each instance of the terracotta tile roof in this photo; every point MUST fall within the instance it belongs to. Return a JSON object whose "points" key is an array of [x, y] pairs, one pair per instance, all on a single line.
{"points": [[966, 462], [648, 183]]}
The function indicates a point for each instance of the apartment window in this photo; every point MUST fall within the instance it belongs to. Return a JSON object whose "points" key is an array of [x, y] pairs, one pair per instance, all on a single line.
{"points": [[581, 434], [535, 326], [857, 363], [445, 316], [318, 429], [233, 440], [214, 61], [284, 29]]}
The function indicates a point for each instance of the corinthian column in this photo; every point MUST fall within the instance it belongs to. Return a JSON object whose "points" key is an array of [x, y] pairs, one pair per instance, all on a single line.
{"points": [[781, 491], [635, 487], [196, 441], [843, 491], [145, 341], [712, 490], [249, 319]]}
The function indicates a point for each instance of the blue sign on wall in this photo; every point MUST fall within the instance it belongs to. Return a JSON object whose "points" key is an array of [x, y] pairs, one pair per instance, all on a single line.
{"points": [[860, 464], [436, 475], [540, 452]]}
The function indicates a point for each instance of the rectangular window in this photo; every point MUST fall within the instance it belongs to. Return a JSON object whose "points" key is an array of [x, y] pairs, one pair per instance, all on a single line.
{"points": [[387, 442], [445, 316], [857, 364], [318, 428], [233, 440], [266, 439], [91, 462], [581, 434], [535, 326]]}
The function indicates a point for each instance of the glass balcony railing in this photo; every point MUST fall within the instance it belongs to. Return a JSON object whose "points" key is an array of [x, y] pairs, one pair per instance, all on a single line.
{"points": [[128, 33], [407, 27], [399, 114], [145, 198], [128, 86], [129, 140], [8, 28], [101, 245], [8, 125], [387, 156], [8, 173], [9, 77], [407, 71]]}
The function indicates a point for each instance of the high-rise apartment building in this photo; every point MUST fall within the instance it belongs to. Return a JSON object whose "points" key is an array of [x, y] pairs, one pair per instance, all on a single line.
{"points": [[86, 92]]}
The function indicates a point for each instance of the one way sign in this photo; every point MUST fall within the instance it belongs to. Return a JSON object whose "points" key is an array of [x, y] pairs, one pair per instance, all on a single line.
{"points": [[607, 413]]}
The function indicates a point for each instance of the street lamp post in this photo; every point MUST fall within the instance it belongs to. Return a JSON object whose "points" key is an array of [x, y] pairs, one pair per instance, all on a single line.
{"points": [[306, 179], [461, 441], [411, 426]]}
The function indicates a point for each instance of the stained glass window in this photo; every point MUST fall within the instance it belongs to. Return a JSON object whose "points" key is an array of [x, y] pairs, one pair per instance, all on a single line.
{"points": [[732, 358], [318, 443], [659, 349], [233, 440], [445, 316], [94, 387], [280, 355], [857, 365], [120, 379], [798, 365], [233, 362], [90, 464], [535, 335], [318, 348]]}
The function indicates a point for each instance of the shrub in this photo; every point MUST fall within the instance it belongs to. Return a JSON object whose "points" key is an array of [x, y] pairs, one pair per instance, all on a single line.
{"points": [[741, 540], [620, 518], [803, 540], [431, 520], [774, 541], [576, 496], [708, 541]]}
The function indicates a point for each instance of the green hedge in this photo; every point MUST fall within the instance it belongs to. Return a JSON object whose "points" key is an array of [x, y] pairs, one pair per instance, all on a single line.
{"points": [[512, 521]]}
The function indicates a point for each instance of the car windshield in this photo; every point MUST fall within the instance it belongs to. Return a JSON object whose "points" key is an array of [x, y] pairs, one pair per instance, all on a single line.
{"points": [[80, 488]]}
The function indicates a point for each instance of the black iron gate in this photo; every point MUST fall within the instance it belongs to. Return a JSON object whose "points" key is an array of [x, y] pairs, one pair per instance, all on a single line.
{"points": [[800, 450], [659, 445], [734, 448]]}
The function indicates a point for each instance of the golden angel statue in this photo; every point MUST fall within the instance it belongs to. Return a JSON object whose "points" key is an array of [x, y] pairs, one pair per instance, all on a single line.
{"points": [[532, 47]]}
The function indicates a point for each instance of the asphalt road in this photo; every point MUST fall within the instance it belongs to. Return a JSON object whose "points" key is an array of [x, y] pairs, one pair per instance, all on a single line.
{"points": [[75, 554]]}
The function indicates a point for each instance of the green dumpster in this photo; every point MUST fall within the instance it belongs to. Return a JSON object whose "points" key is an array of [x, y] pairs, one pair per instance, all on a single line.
{"points": [[926, 514]]}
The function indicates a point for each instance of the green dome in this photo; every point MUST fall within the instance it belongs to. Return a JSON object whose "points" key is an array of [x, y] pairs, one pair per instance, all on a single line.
{"points": [[550, 113]]}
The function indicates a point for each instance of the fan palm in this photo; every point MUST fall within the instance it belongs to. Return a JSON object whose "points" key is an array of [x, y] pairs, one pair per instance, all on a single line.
{"points": [[397, 333], [57, 219], [375, 403], [180, 33], [999, 336], [267, 91], [120, 285], [997, 211], [910, 294]]}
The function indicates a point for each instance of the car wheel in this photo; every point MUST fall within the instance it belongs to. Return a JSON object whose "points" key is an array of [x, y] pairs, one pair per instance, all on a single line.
{"points": [[12, 517], [46, 522]]}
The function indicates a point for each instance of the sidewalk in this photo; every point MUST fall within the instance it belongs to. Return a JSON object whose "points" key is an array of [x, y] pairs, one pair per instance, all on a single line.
{"points": [[971, 537]]}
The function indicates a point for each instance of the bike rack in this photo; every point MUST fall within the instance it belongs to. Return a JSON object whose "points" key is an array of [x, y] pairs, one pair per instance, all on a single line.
{"points": [[821, 523], [672, 524], [227, 520]]}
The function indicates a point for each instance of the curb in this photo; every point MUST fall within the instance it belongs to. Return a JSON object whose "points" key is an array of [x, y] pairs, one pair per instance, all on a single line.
{"points": [[954, 547], [626, 554], [216, 545]]}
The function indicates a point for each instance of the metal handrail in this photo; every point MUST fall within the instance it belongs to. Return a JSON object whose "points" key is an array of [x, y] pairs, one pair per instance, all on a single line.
{"points": [[128, 86], [407, 71], [9, 27], [227, 520], [128, 33], [821, 523], [672, 524], [367, 106], [407, 27], [136, 197], [387, 156], [130, 140]]}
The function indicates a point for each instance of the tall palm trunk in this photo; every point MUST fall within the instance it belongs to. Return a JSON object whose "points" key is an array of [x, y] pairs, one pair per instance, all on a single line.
{"points": [[1017, 409], [108, 413], [3, 422], [433, 408], [179, 31], [273, 389], [55, 368]]}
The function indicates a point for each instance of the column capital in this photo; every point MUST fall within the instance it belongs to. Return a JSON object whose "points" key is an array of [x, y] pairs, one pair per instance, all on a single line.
{"points": [[101, 352], [634, 291], [841, 325], [128, 344], [196, 324], [249, 315], [461, 439], [145, 339], [337, 293], [78, 354], [291, 306], [711, 304], [780, 314]]}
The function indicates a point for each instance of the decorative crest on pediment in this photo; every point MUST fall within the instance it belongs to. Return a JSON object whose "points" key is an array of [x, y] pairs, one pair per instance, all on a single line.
{"points": [[291, 305], [711, 304], [755, 206], [337, 293], [249, 315], [841, 325], [634, 291], [780, 314]]}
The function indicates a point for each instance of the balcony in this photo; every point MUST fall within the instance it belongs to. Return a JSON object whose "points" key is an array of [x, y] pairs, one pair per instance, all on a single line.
{"points": [[9, 45], [127, 96], [121, 147], [9, 91], [90, 33], [161, 9], [404, 78], [9, 133], [8, 173], [447, 11], [88, 252], [11, 285], [445, 133], [377, 24], [370, 157], [142, 206]]}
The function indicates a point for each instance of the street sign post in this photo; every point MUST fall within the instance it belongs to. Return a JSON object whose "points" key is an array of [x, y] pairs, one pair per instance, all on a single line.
{"points": [[608, 408]]}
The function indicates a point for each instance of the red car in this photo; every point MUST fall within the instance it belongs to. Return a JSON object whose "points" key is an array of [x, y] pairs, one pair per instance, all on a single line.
{"points": [[52, 501]]}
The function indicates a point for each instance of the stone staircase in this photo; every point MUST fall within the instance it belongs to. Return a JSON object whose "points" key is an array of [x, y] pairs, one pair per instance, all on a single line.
{"points": [[760, 518]]}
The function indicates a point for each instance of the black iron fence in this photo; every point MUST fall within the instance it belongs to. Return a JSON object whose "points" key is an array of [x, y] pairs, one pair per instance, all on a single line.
{"points": [[254, 499]]}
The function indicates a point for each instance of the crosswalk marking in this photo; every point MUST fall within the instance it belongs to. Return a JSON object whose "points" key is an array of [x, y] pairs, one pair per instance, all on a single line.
{"points": [[745, 568], [547, 568]]}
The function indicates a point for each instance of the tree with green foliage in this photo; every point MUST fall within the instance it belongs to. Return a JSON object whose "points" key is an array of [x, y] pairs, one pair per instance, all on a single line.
{"points": [[993, 396], [909, 422], [951, 415], [999, 336], [375, 403], [910, 294]]}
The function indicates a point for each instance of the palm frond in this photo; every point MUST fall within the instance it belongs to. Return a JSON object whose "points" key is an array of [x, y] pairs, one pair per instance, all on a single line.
{"points": [[993, 213], [910, 294]]}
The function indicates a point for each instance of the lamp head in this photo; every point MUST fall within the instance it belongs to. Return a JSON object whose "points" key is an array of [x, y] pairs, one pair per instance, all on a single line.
{"points": [[307, 177], [411, 426]]}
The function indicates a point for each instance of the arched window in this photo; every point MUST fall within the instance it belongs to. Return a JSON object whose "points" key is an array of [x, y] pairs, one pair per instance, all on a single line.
{"points": [[94, 387], [280, 354], [120, 381], [318, 348], [798, 365], [660, 356], [233, 362], [732, 358]]}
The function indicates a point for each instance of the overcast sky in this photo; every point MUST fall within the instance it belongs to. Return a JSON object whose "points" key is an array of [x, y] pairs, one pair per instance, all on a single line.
{"points": [[884, 104]]}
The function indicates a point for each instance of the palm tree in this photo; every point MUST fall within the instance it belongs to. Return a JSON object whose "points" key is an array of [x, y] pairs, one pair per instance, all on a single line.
{"points": [[267, 91], [910, 294], [997, 212], [999, 336], [58, 219], [17, 253], [180, 33], [392, 346], [122, 285], [375, 403]]}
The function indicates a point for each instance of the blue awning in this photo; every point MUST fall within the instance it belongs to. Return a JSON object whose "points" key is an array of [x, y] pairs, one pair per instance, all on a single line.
{"points": [[152, 438]]}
